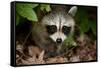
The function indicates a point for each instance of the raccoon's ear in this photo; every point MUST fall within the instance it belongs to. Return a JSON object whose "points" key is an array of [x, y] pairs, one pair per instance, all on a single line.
{"points": [[72, 11]]}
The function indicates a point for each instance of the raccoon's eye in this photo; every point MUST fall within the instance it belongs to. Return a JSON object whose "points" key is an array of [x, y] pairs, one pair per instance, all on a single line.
{"points": [[66, 30], [51, 29]]}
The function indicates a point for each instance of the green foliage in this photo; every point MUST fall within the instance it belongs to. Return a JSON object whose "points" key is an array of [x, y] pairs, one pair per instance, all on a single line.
{"points": [[93, 26], [45, 7], [27, 11], [83, 21], [17, 19], [70, 41]]}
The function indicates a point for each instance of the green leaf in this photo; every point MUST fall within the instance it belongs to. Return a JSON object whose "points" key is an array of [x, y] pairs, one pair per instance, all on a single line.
{"points": [[48, 8], [84, 25], [82, 17], [26, 11], [45, 7], [42, 7], [17, 19], [70, 41], [34, 5], [93, 26], [27, 5]]}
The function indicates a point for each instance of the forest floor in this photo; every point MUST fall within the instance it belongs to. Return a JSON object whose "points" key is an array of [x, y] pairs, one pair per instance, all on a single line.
{"points": [[84, 51]]}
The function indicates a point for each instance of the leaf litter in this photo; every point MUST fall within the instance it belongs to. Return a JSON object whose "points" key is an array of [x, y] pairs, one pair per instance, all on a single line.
{"points": [[84, 51]]}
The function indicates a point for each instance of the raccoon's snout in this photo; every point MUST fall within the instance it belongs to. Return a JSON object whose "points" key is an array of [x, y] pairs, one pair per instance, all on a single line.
{"points": [[59, 40]]}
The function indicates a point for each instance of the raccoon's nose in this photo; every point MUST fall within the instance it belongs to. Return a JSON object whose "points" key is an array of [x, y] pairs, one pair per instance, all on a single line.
{"points": [[59, 40]]}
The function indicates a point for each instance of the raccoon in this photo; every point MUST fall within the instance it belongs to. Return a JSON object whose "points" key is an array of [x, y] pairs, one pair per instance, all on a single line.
{"points": [[54, 28]]}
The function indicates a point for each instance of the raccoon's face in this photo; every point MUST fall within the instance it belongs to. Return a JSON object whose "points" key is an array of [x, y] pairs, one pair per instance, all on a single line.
{"points": [[59, 25]]}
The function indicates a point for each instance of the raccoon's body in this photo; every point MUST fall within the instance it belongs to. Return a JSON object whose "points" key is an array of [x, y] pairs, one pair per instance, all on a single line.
{"points": [[42, 39], [54, 28]]}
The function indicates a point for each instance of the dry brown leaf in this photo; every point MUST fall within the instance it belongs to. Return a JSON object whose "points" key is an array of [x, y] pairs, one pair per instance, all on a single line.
{"points": [[19, 47], [40, 60], [33, 50], [58, 59], [75, 59]]}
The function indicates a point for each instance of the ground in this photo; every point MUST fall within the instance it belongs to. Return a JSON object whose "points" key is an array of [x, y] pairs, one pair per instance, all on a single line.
{"points": [[84, 51]]}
